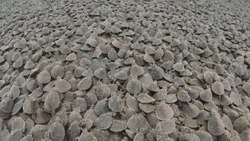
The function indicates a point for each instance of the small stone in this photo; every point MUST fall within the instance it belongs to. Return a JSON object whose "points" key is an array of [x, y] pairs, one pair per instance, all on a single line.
{"points": [[163, 111], [118, 126], [188, 137], [166, 127], [133, 86], [137, 123], [71, 57], [215, 126], [52, 101], [157, 73], [179, 67], [206, 95], [121, 75], [56, 131], [43, 77], [218, 88], [204, 136], [100, 73], [85, 83], [208, 76], [183, 96], [62, 85], [104, 121]]}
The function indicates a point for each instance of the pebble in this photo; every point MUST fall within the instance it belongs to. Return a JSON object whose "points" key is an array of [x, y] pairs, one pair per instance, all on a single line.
{"points": [[44, 77], [133, 86], [62, 85], [163, 111], [85, 83], [218, 88]]}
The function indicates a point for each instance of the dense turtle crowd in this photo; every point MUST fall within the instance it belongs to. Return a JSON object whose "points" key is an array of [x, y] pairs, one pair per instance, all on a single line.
{"points": [[124, 70]]}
